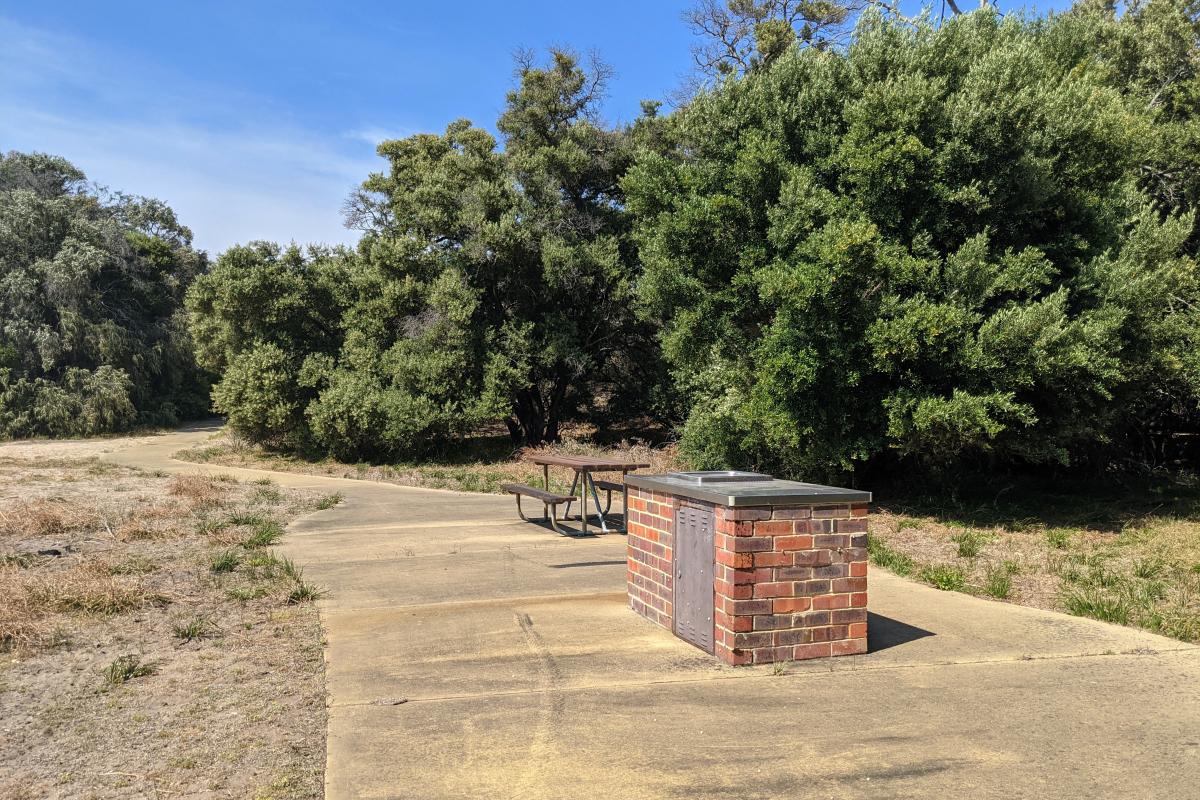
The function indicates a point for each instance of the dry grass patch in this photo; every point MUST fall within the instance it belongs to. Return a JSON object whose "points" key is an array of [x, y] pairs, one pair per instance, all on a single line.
{"points": [[199, 490], [481, 464], [41, 517], [31, 598], [111, 611], [88, 588], [165, 521]]}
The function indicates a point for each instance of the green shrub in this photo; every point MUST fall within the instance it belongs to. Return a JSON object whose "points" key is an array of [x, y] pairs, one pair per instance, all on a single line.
{"points": [[941, 251], [487, 272]]}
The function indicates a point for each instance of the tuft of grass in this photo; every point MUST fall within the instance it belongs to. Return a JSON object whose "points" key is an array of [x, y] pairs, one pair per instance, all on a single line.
{"points": [[998, 582], [266, 533], [883, 556], [225, 561], [125, 668], [263, 559], [267, 494], [1148, 568], [945, 577], [1058, 538], [1101, 576], [208, 526], [244, 594], [194, 628], [1091, 602], [305, 592], [970, 543], [907, 523], [288, 569], [329, 501]]}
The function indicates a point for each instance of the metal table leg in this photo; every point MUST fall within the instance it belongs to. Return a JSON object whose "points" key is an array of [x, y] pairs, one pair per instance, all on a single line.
{"points": [[592, 484], [624, 502], [582, 498]]}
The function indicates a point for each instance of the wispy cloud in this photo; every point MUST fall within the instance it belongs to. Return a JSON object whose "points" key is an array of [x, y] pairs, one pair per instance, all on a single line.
{"points": [[373, 136], [219, 157]]}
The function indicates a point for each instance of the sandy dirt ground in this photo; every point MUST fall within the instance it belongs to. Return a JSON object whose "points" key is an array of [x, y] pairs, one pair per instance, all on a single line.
{"points": [[150, 643]]}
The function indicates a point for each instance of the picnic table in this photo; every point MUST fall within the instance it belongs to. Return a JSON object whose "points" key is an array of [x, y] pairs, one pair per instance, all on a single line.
{"points": [[583, 467]]}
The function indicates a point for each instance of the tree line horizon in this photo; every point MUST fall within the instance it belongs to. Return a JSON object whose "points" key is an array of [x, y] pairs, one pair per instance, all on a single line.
{"points": [[944, 247]]}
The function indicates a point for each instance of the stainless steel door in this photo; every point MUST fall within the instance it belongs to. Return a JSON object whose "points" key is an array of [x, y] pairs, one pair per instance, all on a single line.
{"points": [[694, 553]]}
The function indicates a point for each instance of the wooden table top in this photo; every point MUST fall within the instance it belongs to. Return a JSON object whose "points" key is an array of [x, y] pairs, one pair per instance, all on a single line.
{"points": [[588, 463]]}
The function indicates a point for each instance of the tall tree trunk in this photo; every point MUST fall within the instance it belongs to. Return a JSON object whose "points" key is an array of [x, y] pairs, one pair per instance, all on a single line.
{"points": [[528, 427], [555, 408], [535, 419]]}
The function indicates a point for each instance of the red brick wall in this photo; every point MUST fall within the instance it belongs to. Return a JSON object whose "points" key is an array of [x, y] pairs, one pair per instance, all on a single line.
{"points": [[650, 531], [790, 582]]}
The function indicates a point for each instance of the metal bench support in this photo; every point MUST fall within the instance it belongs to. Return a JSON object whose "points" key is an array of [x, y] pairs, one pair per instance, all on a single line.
{"points": [[549, 512]]}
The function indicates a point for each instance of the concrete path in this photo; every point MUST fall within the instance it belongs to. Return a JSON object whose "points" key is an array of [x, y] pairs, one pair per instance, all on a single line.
{"points": [[473, 656]]}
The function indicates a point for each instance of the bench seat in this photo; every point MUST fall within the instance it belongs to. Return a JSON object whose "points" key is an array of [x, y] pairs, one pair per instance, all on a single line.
{"points": [[549, 500]]}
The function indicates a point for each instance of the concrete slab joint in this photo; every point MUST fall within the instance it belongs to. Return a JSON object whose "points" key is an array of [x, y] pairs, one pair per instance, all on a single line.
{"points": [[789, 579]]}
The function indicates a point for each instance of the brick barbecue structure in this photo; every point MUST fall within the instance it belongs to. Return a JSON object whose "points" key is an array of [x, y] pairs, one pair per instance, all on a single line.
{"points": [[752, 570]]}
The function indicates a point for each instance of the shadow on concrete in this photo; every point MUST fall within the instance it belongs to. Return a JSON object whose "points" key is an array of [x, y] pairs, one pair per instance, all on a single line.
{"points": [[565, 531], [884, 632], [588, 564]]}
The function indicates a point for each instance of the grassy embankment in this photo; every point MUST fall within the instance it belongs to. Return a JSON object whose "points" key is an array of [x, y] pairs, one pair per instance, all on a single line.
{"points": [[1126, 554], [153, 644]]}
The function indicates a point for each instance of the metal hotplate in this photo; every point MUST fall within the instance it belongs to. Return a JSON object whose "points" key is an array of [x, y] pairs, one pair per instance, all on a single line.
{"points": [[719, 476]]}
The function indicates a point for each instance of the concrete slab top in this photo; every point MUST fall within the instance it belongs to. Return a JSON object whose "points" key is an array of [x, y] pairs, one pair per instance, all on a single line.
{"points": [[772, 492]]}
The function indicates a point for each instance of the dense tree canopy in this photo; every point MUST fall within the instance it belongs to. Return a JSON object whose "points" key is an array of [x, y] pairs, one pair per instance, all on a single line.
{"points": [[490, 284], [940, 245], [945, 244], [268, 320], [91, 285]]}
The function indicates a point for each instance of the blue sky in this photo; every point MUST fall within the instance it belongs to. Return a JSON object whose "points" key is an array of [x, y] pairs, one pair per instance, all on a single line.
{"points": [[256, 119]]}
